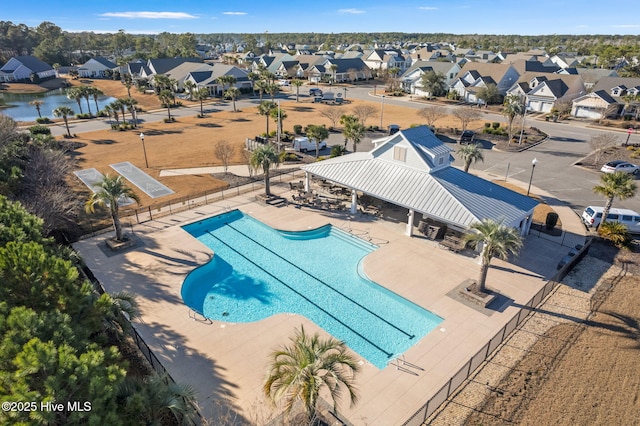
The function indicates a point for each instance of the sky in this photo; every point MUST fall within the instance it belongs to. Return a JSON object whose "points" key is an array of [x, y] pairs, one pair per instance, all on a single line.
{"points": [[522, 17]]}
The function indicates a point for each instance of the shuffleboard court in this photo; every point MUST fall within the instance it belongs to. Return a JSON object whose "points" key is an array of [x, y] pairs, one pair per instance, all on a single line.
{"points": [[92, 177], [146, 183]]}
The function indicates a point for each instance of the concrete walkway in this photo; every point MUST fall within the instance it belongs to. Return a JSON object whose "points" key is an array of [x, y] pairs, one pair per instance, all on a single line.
{"points": [[238, 170], [226, 362]]}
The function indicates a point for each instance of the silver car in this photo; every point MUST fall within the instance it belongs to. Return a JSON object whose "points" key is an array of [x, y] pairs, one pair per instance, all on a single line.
{"points": [[619, 166]]}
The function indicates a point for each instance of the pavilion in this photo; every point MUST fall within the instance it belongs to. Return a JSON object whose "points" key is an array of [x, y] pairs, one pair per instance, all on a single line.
{"points": [[413, 169]]}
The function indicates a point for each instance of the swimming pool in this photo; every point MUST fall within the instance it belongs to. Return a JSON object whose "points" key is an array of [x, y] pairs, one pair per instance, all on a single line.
{"points": [[258, 271]]}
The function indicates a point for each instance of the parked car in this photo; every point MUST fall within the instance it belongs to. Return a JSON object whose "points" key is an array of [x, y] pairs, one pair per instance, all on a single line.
{"points": [[393, 129], [468, 136], [283, 82], [592, 216], [303, 144], [619, 166], [315, 91]]}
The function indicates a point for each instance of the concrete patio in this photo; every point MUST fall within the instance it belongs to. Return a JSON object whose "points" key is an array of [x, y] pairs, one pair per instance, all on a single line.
{"points": [[226, 363]]}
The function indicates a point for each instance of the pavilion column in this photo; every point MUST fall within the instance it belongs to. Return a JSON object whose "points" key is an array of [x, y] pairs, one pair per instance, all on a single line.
{"points": [[354, 201], [410, 223], [307, 181], [527, 226]]}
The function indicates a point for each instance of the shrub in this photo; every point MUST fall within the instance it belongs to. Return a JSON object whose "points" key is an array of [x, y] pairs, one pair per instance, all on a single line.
{"points": [[297, 129], [495, 125], [487, 125], [551, 220], [39, 130], [43, 120], [337, 151], [615, 232]]}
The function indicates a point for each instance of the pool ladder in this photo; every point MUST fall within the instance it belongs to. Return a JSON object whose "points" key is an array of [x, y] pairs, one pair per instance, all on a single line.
{"points": [[198, 316], [401, 364]]}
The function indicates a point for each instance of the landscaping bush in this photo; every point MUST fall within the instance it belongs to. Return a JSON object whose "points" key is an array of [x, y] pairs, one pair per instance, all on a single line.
{"points": [[495, 125], [84, 116], [551, 220], [297, 129], [615, 232], [487, 125], [43, 120], [39, 130]]}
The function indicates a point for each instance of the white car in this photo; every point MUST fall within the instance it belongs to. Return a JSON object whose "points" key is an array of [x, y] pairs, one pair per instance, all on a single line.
{"points": [[619, 166]]}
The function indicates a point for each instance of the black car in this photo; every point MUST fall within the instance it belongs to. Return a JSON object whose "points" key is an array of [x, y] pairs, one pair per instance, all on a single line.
{"points": [[468, 136], [314, 91]]}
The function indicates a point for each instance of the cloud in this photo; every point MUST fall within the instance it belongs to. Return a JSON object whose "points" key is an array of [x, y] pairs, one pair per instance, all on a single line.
{"points": [[149, 15], [351, 11], [234, 13], [427, 8]]}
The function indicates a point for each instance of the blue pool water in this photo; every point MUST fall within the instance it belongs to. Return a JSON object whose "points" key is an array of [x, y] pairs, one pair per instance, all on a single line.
{"points": [[258, 271]]}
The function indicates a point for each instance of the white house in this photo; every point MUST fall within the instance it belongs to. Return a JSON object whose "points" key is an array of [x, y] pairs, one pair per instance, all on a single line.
{"points": [[21, 68], [97, 67], [411, 79], [475, 75], [595, 106]]}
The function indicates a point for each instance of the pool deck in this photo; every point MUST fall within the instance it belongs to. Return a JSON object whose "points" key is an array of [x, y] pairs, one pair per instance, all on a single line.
{"points": [[226, 363]]}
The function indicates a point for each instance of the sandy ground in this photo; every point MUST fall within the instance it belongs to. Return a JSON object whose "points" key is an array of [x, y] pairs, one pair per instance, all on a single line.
{"points": [[579, 373]]}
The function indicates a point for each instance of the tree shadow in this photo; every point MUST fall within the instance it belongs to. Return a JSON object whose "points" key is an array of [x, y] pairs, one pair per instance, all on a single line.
{"points": [[624, 325], [103, 141], [154, 132], [562, 139], [208, 125], [241, 120]]}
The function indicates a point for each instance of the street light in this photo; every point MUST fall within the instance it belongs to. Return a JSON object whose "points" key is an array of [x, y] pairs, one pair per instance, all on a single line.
{"points": [[533, 167], [381, 112], [144, 149]]}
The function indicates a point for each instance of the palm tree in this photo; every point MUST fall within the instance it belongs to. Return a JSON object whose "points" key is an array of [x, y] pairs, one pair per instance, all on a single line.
{"points": [[227, 81], [122, 104], [261, 85], [497, 240], [512, 108], [75, 94], [119, 310], [272, 89], [317, 134], [334, 69], [265, 108], [470, 153], [127, 80], [189, 86], [96, 93], [108, 193], [149, 400], [116, 106], [130, 104], [297, 83], [619, 185], [85, 92], [64, 112], [299, 371], [201, 95], [264, 157], [166, 97], [353, 130], [278, 115], [253, 76], [233, 93], [37, 104]]}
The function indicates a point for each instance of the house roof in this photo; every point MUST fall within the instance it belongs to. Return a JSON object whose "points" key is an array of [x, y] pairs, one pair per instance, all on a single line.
{"points": [[602, 94], [447, 194], [608, 83], [162, 65], [344, 65], [31, 62], [523, 66], [105, 62]]}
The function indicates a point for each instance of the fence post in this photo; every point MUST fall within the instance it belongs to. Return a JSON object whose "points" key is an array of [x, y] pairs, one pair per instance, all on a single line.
{"points": [[150, 215]]}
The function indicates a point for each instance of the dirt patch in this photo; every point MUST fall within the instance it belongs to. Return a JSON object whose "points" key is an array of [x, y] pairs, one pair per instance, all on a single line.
{"points": [[581, 372], [595, 161]]}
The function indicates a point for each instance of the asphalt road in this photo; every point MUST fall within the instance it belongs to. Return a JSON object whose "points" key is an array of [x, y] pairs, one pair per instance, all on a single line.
{"points": [[554, 172]]}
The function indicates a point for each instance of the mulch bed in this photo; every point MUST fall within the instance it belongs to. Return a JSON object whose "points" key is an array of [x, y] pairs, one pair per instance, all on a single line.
{"points": [[595, 161]]}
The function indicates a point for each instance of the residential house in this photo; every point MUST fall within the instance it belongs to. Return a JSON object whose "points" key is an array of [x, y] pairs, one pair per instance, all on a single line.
{"points": [[181, 72], [353, 69], [475, 75], [596, 106], [98, 67], [411, 79], [210, 78], [384, 59], [163, 65], [625, 90], [20, 68], [545, 91], [138, 69], [591, 76]]}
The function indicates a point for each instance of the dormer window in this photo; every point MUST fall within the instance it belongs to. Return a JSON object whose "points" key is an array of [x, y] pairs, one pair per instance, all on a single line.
{"points": [[400, 153], [440, 161]]}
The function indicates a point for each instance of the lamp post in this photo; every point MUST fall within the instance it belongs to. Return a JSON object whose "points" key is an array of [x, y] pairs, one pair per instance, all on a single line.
{"points": [[144, 149], [533, 167], [381, 112]]}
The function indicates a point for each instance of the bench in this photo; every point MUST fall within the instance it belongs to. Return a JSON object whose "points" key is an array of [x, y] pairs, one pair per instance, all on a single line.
{"points": [[453, 242]]}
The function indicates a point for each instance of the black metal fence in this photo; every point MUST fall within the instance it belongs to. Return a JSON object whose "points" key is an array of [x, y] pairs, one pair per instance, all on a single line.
{"points": [[420, 416]]}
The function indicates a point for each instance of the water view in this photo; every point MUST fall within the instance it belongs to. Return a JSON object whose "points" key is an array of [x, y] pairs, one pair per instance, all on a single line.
{"points": [[16, 105]]}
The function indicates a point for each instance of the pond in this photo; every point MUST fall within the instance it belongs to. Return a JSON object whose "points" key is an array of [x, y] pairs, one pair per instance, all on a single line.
{"points": [[16, 105]]}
